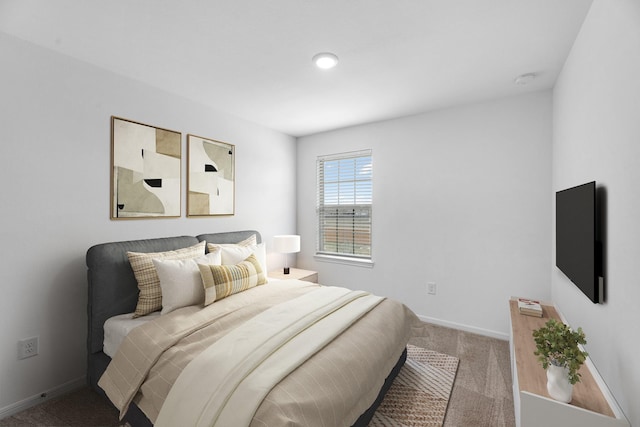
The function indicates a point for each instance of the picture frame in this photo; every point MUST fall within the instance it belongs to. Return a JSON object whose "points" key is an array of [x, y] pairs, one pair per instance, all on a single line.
{"points": [[210, 177], [146, 171]]}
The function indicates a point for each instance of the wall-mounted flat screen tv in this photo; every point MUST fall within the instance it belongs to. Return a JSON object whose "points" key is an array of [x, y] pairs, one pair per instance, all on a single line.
{"points": [[578, 251]]}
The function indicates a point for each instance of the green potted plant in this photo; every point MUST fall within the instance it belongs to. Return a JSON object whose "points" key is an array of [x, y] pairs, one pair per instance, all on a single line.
{"points": [[557, 349]]}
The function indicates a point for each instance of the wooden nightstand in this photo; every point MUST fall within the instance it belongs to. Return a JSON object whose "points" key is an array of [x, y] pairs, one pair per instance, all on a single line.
{"points": [[296, 273]]}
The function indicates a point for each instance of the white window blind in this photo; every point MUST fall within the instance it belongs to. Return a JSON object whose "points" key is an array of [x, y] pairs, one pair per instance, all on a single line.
{"points": [[345, 194]]}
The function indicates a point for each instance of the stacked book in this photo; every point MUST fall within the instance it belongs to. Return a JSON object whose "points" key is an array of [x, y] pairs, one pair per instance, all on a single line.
{"points": [[529, 307]]}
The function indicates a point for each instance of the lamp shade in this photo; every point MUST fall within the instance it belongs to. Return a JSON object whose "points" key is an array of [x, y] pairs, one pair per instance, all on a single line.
{"points": [[286, 244]]}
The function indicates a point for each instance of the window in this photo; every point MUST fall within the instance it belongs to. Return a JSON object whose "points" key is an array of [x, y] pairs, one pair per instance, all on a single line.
{"points": [[344, 205]]}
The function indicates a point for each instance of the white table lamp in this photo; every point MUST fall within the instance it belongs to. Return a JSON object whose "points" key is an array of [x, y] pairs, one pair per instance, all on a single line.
{"points": [[286, 244]]}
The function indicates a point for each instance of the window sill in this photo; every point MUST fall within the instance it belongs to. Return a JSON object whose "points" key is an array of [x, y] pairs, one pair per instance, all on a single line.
{"points": [[367, 263]]}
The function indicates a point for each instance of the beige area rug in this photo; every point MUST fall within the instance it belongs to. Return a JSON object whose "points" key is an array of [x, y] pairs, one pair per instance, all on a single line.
{"points": [[420, 393]]}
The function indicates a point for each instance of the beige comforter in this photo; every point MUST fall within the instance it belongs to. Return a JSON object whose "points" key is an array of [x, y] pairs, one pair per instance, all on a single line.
{"points": [[331, 388]]}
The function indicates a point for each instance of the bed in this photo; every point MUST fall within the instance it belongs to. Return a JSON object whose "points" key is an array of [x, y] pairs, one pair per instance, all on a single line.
{"points": [[362, 358]]}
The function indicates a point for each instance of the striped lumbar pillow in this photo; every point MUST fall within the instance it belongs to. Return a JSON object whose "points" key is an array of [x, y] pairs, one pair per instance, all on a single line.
{"points": [[150, 296], [220, 281]]}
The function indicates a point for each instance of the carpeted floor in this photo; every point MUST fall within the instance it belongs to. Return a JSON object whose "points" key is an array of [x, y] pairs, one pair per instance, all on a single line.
{"points": [[481, 395], [81, 408]]}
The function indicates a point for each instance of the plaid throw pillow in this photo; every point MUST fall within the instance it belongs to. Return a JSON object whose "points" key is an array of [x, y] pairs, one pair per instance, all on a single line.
{"points": [[150, 297], [220, 281]]}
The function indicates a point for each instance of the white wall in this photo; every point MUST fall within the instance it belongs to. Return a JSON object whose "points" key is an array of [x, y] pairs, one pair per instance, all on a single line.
{"points": [[461, 198], [596, 136], [55, 149]]}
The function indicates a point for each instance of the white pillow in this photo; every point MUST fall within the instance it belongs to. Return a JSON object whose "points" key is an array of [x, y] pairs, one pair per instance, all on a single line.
{"points": [[181, 282], [235, 253], [251, 240]]}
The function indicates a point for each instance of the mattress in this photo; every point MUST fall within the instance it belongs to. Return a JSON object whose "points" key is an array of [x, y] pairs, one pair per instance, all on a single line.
{"points": [[118, 327]]}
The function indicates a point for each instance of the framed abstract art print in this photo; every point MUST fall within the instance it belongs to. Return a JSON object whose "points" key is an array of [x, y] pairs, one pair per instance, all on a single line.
{"points": [[146, 171], [210, 177]]}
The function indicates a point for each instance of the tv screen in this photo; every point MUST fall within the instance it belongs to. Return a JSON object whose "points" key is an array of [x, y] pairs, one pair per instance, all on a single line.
{"points": [[577, 248]]}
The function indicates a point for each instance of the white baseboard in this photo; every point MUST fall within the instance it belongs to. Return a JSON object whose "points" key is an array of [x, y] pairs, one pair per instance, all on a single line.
{"points": [[23, 404], [466, 328]]}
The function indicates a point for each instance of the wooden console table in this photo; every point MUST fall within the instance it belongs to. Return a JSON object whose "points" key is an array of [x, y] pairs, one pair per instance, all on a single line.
{"points": [[590, 407]]}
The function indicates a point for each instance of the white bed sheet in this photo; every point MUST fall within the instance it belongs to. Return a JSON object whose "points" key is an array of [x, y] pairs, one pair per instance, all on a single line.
{"points": [[117, 327]]}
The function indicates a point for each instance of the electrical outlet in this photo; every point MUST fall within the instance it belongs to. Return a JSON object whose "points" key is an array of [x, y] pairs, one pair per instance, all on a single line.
{"points": [[431, 288], [27, 347]]}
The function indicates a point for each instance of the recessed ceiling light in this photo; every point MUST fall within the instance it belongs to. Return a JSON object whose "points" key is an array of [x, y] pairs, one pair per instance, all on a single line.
{"points": [[525, 79], [325, 60]]}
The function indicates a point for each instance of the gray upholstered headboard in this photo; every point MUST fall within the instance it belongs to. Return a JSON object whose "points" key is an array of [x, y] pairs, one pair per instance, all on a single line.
{"points": [[113, 288]]}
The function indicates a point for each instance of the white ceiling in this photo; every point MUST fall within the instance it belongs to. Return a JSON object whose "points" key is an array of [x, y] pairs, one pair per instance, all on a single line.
{"points": [[252, 58]]}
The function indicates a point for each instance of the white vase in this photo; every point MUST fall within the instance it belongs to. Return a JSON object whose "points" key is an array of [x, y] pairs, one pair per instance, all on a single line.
{"points": [[558, 384]]}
